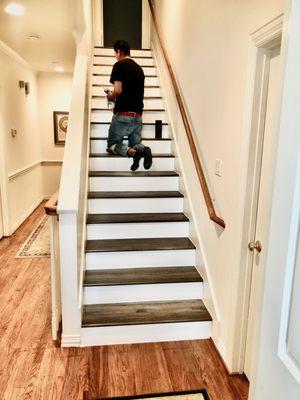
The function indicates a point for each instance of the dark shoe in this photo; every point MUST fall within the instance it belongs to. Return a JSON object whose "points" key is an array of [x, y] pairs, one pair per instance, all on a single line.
{"points": [[147, 157], [136, 160]]}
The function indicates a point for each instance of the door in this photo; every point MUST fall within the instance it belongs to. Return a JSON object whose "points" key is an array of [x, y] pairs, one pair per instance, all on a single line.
{"points": [[122, 20], [259, 242]]}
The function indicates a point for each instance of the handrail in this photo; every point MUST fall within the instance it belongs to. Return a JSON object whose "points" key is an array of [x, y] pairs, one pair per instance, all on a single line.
{"points": [[209, 204], [51, 205]]}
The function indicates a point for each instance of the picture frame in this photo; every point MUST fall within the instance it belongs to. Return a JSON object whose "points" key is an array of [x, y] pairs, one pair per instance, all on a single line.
{"points": [[60, 120]]}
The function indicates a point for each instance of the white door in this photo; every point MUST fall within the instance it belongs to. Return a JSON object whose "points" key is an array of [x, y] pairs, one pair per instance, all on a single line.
{"points": [[263, 209]]}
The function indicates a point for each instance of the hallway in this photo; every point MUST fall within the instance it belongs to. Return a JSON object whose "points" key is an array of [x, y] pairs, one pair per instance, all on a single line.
{"points": [[33, 368]]}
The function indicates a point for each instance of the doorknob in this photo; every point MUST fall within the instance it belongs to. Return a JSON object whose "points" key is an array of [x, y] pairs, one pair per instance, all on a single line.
{"points": [[255, 246]]}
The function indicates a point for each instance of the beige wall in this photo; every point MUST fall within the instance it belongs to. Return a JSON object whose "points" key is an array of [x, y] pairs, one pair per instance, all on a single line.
{"points": [[30, 162], [208, 42], [23, 191], [54, 94]]}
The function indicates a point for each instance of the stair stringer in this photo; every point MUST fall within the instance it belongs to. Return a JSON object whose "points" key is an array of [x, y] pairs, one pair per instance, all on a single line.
{"points": [[209, 297]]}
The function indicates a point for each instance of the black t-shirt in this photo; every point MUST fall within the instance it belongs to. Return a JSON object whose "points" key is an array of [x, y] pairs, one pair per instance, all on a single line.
{"points": [[132, 77]]}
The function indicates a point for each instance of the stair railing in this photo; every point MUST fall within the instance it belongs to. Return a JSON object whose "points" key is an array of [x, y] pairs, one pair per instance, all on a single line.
{"points": [[51, 211], [207, 197]]}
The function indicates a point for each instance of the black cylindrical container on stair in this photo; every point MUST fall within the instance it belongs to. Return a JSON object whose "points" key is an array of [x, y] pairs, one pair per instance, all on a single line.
{"points": [[158, 129]]}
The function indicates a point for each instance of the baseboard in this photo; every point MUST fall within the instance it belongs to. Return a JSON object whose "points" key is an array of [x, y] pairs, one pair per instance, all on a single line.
{"points": [[25, 215], [70, 340]]}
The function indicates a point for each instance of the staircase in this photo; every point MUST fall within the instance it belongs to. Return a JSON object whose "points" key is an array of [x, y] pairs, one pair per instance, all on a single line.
{"points": [[140, 284]]}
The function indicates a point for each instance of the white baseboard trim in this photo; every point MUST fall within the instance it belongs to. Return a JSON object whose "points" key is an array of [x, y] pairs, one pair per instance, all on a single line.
{"points": [[70, 340], [25, 215]]}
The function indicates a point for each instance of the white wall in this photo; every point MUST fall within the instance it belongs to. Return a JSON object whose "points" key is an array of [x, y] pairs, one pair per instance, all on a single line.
{"points": [[208, 42], [30, 162], [23, 191], [54, 94]]}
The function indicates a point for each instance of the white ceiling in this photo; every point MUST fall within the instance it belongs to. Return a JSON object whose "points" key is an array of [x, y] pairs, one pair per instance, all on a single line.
{"points": [[51, 20]]}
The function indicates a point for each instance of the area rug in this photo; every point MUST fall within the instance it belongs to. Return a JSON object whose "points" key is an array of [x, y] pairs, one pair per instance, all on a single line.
{"points": [[186, 395], [38, 243]]}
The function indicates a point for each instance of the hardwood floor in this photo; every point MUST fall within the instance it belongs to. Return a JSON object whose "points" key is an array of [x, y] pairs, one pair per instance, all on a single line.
{"points": [[32, 367]]}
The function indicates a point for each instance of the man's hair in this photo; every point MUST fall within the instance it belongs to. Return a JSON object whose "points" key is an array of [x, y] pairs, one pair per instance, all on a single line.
{"points": [[123, 46]]}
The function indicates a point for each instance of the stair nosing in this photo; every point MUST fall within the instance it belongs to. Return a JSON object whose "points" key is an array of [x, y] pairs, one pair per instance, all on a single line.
{"points": [[182, 318], [144, 110], [94, 246], [136, 174], [108, 155], [133, 218], [152, 271], [133, 194], [108, 75], [144, 123], [125, 137]]}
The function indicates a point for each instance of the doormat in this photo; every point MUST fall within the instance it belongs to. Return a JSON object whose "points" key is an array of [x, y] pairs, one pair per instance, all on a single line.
{"points": [[38, 243], [186, 395]]}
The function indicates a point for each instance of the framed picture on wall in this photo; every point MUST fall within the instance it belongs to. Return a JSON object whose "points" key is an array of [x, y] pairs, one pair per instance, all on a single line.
{"points": [[60, 119]]}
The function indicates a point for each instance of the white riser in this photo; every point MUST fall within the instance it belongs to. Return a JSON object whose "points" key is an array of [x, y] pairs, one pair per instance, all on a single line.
{"points": [[137, 230], [157, 146], [107, 70], [136, 205], [112, 60], [148, 103], [104, 80], [133, 53], [126, 334], [136, 293], [148, 116], [99, 90], [142, 259], [124, 164], [119, 184], [101, 130]]}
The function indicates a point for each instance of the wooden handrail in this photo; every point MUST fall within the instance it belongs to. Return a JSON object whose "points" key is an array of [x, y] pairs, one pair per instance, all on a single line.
{"points": [[51, 205], [209, 204]]}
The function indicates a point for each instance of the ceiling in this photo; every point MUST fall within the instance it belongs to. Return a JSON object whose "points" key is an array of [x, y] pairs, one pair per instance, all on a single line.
{"points": [[51, 21]]}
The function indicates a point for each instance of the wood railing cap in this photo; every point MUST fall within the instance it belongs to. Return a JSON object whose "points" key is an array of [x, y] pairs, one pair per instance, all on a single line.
{"points": [[51, 205]]}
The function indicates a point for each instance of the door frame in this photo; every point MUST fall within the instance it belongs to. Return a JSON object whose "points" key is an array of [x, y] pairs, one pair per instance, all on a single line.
{"points": [[3, 174], [98, 34], [260, 44]]}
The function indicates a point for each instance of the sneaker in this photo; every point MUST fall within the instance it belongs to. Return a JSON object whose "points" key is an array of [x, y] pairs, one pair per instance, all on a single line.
{"points": [[147, 157], [136, 160]]}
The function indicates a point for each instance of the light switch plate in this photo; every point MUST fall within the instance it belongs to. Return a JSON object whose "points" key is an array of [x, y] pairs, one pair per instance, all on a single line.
{"points": [[218, 167]]}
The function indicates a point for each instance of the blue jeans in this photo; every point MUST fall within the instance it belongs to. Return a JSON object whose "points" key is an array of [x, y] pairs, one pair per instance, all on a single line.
{"points": [[121, 126]]}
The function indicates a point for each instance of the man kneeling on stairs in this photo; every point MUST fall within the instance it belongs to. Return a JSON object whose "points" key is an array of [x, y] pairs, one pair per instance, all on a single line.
{"points": [[128, 79]]}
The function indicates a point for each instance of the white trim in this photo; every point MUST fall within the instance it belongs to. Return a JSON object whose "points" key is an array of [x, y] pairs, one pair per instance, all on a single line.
{"points": [[24, 170], [98, 22], [260, 42], [283, 352], [25, 215], [70, 340], [146, 25], [15, 56], [46, 163]]}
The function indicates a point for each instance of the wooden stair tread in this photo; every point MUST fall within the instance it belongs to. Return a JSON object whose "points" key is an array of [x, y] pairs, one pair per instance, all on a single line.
{"points": [[126, 174], [135, 218], [145, 244], [141, 276], [133, 194], [145, 97], [108, 75], [144, 110], [144, 123], [126, 137], [110, 85], [107, 155], [150, 312]]}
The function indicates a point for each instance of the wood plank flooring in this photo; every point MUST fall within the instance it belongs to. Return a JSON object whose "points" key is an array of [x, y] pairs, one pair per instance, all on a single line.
{"points": [[33, 368]]}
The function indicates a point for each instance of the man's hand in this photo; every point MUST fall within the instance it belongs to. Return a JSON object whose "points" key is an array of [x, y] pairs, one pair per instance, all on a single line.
{"points": [[112, 95]]}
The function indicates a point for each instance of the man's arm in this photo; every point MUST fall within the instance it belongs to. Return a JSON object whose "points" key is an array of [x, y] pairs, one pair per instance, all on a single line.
{"points": [[112, 95]]}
